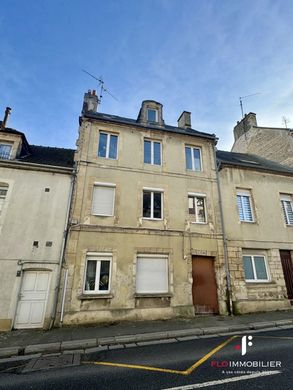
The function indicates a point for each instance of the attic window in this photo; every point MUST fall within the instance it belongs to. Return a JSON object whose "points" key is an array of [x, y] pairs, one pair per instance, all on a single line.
{"points": [[152, 115], [5, 151]]}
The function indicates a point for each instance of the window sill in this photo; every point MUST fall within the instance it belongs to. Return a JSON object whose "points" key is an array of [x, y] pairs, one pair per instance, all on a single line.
{"points": [[152, 219], [256, 282], [251, 222], [153, 295], [95, 296], [198, 223]]}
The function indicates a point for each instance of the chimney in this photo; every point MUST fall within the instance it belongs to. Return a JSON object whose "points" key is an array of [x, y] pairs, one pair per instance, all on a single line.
{"points": [[245, 125], [6, 115], [90, 102], [185, 120]]}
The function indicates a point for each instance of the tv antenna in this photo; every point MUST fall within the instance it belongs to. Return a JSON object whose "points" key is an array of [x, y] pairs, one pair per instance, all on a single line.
{"points": [[285, 121], [101, 85], [244, 97]]}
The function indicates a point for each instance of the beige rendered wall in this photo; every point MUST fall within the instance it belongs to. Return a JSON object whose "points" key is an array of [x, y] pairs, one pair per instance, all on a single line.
{"points": [[127, 234], [266, 236], [30, 214]]}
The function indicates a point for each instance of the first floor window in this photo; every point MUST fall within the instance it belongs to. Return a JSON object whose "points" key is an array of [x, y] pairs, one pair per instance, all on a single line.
{"points": [[152, 274], [3, 193], [193, 158], [152, 204], [5, 150], [244, 206], [287, 205], [103, 200], [196, 208], [152, 152], [255, 268], [108, 145], [97, 275]]}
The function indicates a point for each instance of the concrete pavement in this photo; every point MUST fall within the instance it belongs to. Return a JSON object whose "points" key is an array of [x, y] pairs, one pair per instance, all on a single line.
{"points": [[125, 334]]}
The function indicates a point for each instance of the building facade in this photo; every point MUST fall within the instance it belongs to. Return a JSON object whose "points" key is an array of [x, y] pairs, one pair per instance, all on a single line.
{"points": [[257, 198], [275, 144], [35, 188], [145, 239]]}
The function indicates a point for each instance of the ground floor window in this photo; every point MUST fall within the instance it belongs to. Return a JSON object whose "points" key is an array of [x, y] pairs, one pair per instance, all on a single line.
{"points": [[152, 274], [255, 268], [97, 274]]}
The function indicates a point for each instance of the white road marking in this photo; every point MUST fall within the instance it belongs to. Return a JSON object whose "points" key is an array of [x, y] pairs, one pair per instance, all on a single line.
{"points": [[222, 381]]}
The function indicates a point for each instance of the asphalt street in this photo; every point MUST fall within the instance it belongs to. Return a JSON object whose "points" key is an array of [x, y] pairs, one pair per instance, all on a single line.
{"points": [[213, 362]]}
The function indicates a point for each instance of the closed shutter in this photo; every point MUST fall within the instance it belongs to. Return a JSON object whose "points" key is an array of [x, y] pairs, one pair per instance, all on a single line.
{"points": [[152, 275], [103, 200], [287, 209]]}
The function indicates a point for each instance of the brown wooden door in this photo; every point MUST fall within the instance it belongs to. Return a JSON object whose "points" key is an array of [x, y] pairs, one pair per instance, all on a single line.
{"points": [[204, 287], [288, 271]]}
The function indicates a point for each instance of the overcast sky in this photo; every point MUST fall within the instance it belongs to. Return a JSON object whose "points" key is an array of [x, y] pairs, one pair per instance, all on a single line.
{"points": [[194, 55]]}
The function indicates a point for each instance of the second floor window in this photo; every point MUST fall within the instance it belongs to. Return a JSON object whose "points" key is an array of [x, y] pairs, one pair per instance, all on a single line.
{"points": [[5, 151], [193, 158], [108, 145], [152, 204], [244, 206], [103, 200], [196, 208], [152, 152], [287, 206]]}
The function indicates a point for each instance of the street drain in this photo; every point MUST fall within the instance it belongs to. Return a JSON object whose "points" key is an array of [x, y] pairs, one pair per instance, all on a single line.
{"points": [[51, 362]]}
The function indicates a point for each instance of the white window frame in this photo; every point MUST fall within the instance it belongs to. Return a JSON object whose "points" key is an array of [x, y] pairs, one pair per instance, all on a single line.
{"points": [[247, 194], [286, 198], [152, 141], [108, 144], [154, 256], [198, 195], [255, 280], [98, 257], [152, 190], [11, 147], [100, 184], [192, 159], [157, 114]]}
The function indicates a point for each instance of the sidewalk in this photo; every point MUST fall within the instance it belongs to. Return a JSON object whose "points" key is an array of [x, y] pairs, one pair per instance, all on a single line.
{"points": [[23, 342]]}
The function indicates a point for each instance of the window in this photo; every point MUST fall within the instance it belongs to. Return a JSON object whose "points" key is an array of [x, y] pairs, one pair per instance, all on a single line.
{"points": [[255, 269], [244, 206], [196, 207], [108, 145], [3, 193], [287, 206], [152, 152], [152, 204], [98, 274], [103, 199], [5, 150], [152, 115], [193, 158], [152, 274]]}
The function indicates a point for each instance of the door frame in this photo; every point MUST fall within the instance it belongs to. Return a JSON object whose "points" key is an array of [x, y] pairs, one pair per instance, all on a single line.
{"points": [[41, 269]]}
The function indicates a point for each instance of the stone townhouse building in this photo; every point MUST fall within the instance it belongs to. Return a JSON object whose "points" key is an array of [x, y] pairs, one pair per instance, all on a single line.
{"points": [[35, 189], [257, 199], [275, 144], [145, 237]]}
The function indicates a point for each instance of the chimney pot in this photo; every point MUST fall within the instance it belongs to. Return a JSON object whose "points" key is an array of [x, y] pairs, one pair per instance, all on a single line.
{"points": [[90, 102]]}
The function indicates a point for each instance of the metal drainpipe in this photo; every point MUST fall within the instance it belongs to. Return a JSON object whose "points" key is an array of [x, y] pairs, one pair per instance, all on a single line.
{"points": [[62, 254], [227, 270]]}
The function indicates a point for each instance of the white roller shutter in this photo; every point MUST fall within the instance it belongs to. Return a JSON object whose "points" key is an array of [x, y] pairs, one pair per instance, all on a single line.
{"points": [[103, 200], [152, 274]]}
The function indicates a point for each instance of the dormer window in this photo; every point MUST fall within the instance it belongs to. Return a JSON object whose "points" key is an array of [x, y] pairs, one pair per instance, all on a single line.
{"points": [[5, 151], [152, 115]]}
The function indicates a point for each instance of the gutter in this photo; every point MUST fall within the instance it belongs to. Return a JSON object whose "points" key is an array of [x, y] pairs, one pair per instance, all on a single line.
{"points": [[34, 167], [225, 243]]}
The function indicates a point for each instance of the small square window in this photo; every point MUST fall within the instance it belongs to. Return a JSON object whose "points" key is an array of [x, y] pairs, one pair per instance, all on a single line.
{"points": [[108, 146], [255, 269], [152, 115], [98, 274]]}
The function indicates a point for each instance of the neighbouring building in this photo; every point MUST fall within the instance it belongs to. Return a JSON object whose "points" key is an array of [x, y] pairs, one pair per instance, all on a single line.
{"points": [[257, 199], [35, 189], [275, 144], [145, 237]]}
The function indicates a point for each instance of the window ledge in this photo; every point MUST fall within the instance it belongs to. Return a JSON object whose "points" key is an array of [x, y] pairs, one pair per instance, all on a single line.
{"points": [[158, 295], [95, 296], [256, 283]]}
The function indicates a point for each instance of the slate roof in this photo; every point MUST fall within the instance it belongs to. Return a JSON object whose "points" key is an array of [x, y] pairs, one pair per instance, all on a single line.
{"points": [[251, 161], [49, 156], [133, 122]]}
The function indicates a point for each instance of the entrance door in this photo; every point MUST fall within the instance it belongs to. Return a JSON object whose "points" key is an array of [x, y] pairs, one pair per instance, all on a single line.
{"points": [[288, 271], [204, 287], [32, 300]]}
